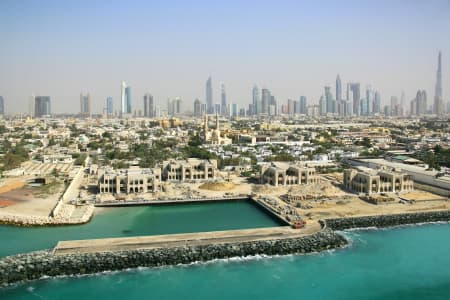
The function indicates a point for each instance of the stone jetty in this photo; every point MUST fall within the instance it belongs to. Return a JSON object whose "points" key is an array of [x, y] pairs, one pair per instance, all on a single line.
{"points": [[38, 264]]}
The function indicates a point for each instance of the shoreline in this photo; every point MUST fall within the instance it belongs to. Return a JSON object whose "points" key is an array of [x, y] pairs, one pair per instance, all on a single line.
{"points": [[38, 264]]}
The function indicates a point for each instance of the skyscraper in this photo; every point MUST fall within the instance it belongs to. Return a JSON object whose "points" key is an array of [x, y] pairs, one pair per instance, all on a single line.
{"points": [[438, 107], [265, 101], [356, 91], [223, 101], [256, 101], [109, 106], [377, 103], [209, 96], [125, 99], [395, 107], [330, 103], [197, 108], [322, 106], [338, 89], [368, 105], [149, 107], [303, 105], [42, 106], [2, 106], [420, 103], [234, 110], [85, 105]]}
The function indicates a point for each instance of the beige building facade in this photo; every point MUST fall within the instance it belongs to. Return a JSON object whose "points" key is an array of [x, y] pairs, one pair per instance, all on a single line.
{"points": [[369, 181], [191, 169], [129, 181], [277, 174]]}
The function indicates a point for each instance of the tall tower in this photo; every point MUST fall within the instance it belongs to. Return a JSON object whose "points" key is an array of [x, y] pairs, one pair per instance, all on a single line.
{"points": [[438, 107], [148, 105], [42, 106], [109, 106], [197, 108], [223, 101], [85, 105], [125, 99], [330, 103], [356, 92], [2, 106], [338, 89], [209, 96], [265, 101], [256, 100]]}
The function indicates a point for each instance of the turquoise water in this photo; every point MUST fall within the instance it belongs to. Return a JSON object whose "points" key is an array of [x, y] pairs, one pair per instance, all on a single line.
{"points": [[142, 220], [400, 263]]}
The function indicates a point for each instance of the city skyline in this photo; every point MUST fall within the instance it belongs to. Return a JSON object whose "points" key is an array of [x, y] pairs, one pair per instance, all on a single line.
{"points": [[392, 57]]}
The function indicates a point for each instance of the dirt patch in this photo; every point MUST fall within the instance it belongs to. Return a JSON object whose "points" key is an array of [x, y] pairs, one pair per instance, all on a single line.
{"points": [[6, 203], [11, 186], [217, 186], [421, 196]]}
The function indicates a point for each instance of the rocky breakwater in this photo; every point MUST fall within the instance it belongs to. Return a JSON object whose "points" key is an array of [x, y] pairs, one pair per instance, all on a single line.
{"points": [[387, 220], [63, 217], [38, 264]]}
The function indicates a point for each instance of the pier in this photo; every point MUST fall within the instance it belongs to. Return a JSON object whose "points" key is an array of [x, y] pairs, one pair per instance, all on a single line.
{"points": [[183, 240]]}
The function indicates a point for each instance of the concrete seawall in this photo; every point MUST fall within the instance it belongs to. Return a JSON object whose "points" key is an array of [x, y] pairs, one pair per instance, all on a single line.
{"points": [[35, 265], [387, 220]]}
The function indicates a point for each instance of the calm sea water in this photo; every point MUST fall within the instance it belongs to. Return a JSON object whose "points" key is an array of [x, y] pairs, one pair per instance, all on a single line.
{"points": [[398, 263], [401, 263], [142, 220]]}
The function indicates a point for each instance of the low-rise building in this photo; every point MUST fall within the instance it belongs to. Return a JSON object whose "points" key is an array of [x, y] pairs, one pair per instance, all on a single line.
{"points": [[57, 158], [280, 173], [189, 169], [370, 181], [127, 181]]}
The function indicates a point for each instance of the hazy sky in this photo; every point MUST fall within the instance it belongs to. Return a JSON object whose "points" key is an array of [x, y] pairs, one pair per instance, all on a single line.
{"points": [[169, 48]]}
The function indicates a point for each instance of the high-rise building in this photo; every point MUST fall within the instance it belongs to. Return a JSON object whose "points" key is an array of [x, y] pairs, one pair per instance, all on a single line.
{"points": [[290, 106], [174, 106], [265, 101], [368, 104], [125, 99], [234, 110], [85, 105], [303, 105], [402, 108], [420, 103], [395, 107], [330, 102], [109, 106], [297, 107], [356, 92], [322, 106], [149, 106], [256, 108], [197, 108], [42, 106], [2, 106], [209, 96], [338, 89], [377, 103], [223, 101], [438, 107]]}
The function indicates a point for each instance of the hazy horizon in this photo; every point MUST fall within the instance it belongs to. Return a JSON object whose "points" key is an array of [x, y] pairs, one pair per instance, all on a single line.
{"points": [[63, 48]]}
